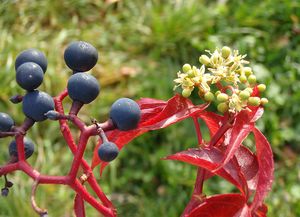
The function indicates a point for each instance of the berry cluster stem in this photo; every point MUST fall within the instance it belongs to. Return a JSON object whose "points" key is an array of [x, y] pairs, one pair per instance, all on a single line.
{"points": [[105, 207]]}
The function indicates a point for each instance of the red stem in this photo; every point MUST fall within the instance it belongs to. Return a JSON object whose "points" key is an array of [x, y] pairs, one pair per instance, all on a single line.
{"points": [[222, 130], [88, 198], [198, 187], [69, 139]]}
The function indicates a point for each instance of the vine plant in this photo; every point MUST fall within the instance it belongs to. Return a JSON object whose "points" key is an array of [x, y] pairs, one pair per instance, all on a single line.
{"points": [[223, 78]]}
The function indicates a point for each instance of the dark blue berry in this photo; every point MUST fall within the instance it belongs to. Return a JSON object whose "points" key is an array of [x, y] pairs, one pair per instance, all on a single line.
{"points": [[4, 192], [83, 87], [29, 76], [32, 55], [36, 104], [28, 147], [125, 114], [108, 151], [6, 122], [80, 56]]}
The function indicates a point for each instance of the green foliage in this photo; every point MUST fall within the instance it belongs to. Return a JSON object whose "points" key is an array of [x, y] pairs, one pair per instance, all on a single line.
{"points": [[152, 39]]}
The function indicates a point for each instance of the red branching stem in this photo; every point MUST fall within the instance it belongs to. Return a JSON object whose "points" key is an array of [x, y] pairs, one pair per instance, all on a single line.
{"points": [[19, 162], [198, 130], [70, 141], [91, 200], [83, 139], [20, 147], [9, 168]]}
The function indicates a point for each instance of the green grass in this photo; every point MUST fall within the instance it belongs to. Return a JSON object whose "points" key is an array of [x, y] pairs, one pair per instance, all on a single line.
{"points": [[153, 39]]}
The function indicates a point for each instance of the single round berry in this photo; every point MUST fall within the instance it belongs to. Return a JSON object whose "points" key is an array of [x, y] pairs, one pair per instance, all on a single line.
{"points": [[108, 151], [4, 192], [83, 87], [125, 114], [32, 55], [36, 104], [80, 56], [28, 148], [6, 122], [29, 76]]}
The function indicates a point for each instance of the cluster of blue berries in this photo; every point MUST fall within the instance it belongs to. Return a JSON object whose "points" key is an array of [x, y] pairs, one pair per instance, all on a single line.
{"points": [[83, 88]]}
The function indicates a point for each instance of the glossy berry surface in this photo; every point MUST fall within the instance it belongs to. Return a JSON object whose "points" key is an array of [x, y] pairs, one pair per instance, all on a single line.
{"points": [[32, 55], [6, 122], [36, 104], [28, 147], [108, 151], [83, 87], [80, 56], [29, 76], [125, 114]]}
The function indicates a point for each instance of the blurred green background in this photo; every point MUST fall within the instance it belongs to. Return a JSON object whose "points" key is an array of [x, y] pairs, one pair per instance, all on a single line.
{"points": [[142, 44]]}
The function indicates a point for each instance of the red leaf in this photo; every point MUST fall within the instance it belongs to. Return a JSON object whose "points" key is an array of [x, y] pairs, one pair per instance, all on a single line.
{"points": [[266, 168], [212, 120], [156, 114], [242, 126], [248, 164], [223, 205], [79, 206], [210, 159]]}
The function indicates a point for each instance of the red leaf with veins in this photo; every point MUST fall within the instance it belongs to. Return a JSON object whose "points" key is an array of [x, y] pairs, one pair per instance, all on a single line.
{"points": [[212, 120], [210, 159], [248, 164], [242, 126], [223, 205], [266, 168], [155, 114]]}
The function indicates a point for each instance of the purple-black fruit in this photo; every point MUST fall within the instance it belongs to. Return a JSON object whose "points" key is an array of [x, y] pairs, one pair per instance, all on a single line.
{"points": [[36, 104], [6, 122], [83, 87], [32, 55], [108, 151], [125, 114], [29, 76], [80, 56], [28, 147]]}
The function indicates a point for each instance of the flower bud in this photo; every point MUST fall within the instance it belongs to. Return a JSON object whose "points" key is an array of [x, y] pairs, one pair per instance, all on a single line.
{"points": [[204, 60], [254, 101], [244, 95], [222, 97], [226, 51], [261, 87], [186, 92], [222, 107], [209, 96], [252, 79], [186, 67]]}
